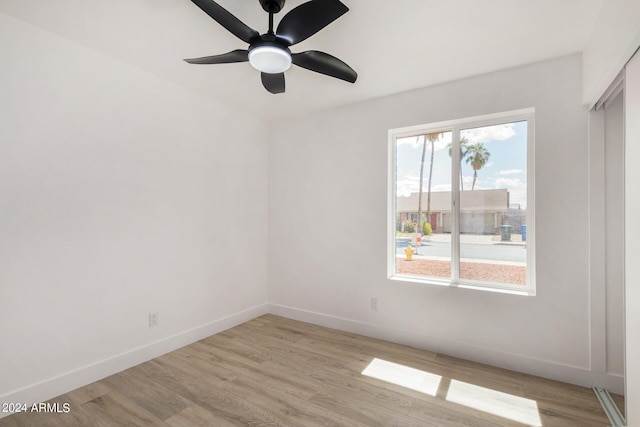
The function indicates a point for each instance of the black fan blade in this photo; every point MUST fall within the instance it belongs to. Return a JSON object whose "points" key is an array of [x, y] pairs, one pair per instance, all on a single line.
{"points": [[223, 17], [238, 55], [309, 18], [324, 63], [274, 83]]}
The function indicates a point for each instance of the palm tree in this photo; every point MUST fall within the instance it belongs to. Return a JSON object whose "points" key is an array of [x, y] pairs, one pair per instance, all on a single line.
{"points": [[432, 138], [477, 158], [424, 151], [464, 152]]}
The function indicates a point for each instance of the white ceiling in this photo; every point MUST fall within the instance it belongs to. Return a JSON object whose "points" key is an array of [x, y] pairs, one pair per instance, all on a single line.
{"points": [[394, 46]]}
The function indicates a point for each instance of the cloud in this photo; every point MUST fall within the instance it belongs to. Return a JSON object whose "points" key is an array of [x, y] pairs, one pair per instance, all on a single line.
{"points": [[517, 190], [441, 187], [467, 181], [411, 140], [489, 133], [416, 141], [510, 172], [510, 183], [407, 184]]}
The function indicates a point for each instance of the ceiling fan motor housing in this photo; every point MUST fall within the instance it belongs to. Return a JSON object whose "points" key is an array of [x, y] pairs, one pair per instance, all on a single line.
{"points": [[270, 55], [272, 6]]}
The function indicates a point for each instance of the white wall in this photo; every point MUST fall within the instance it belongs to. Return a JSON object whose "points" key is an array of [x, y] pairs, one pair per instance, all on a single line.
{"points": [[120, 194], [615, 38], [327, 225], [632, 245]]}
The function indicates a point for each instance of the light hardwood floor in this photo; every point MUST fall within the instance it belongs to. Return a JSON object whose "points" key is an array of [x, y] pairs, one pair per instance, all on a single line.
{"points": [[273, 371]]}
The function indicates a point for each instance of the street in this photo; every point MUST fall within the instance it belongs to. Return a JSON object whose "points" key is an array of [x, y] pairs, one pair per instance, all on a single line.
{"points": [[480, 251]]}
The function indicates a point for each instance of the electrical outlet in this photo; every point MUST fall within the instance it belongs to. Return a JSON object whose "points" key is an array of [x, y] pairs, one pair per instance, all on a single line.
{"points": [[153, 319], [374, 304]]}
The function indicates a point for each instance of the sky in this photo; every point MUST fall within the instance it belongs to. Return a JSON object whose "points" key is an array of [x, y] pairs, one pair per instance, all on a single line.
{"points": [[506, 168]]}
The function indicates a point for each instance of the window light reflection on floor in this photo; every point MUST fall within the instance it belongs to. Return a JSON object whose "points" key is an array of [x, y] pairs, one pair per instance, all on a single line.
{"points": [[404, 376], [494, 402], [483, 399]]}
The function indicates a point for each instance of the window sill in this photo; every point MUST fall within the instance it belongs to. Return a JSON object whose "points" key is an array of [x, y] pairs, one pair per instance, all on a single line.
{"points": [[478, 287]]}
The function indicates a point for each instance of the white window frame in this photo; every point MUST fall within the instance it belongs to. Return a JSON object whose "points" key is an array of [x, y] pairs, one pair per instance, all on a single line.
{"points": [[455, 127]]}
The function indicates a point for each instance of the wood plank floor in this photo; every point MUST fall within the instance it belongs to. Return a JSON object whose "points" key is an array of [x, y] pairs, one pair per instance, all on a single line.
{"points": [[273, 371]]}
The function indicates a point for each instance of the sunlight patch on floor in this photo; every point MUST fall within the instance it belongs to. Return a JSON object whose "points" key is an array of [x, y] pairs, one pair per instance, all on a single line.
{"points": [[404, 376], [483, 399], [494, 402]]}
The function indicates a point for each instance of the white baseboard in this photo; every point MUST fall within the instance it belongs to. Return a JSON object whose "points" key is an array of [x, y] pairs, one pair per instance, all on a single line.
{"points": [[517, 362], [68, 381]]}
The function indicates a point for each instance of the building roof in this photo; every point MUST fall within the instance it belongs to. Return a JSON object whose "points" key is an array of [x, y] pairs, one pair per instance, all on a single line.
{"points": [[483, 200]]}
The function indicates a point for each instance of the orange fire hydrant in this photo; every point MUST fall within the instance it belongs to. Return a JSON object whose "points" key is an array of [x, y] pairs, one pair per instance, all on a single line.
{"points": [[409, 253]]}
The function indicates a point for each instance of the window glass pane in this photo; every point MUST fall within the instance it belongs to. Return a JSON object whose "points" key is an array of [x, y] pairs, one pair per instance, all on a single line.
{"points": [[426, 156], [493, 203]]}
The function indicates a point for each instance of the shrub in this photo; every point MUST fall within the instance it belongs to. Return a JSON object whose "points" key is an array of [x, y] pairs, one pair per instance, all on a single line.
{"points": [[426, 228], [410, 227]]}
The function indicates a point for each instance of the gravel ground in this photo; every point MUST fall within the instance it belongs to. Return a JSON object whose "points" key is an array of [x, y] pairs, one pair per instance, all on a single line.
{"points": [[468, 270]]}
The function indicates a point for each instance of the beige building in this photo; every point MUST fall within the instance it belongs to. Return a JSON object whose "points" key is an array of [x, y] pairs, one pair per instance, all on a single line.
{"points": [[481, 211]]}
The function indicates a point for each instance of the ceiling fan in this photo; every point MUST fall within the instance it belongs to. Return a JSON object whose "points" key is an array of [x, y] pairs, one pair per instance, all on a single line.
{"points": [[269, 53]]}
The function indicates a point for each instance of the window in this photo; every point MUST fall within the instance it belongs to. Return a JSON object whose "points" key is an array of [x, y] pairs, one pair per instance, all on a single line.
{"points": [[461, 203]]}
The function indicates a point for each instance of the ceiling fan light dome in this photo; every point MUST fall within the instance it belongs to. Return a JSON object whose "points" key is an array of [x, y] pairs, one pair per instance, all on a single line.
{"points": [[270, 59]]}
